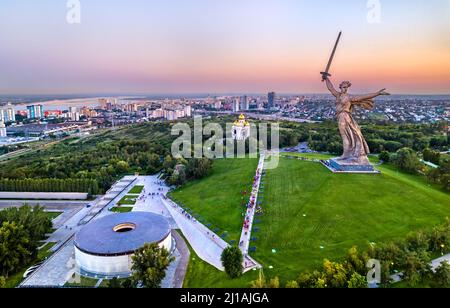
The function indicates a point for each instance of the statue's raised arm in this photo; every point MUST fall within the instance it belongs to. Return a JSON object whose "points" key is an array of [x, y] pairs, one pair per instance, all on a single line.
{"points": [[331, 87], [365, 97]]}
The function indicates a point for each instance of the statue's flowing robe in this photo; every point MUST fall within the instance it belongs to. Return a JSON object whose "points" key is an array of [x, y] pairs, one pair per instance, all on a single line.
{"points": [[354, 143]]}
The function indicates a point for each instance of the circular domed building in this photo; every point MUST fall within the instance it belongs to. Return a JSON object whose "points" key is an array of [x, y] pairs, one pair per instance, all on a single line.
{"points": [[104, 247]]}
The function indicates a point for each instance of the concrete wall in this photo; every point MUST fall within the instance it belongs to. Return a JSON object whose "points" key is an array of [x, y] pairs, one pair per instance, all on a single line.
{"points": [[111, 266], [43, 195]]}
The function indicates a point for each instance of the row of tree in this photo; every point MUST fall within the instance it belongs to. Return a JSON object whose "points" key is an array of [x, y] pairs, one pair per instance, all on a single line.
{"points": [[50, 185], [21, 229], [407, 160], [411, 257], [325, 137], [179, 171]]}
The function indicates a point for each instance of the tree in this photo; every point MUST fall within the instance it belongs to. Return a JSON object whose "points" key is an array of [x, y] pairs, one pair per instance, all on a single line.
{"points": [[335, 274], [442, 274], [357, 281], [36, 224], [274, 283], [260, 282], [407, 160], [122, 166], [385, 156], [13, 243], [431, 156], [2, 282], [114, 283], [355, 261], [305, 280], [149, 265], [292, 284], [232, 261], [416, 267]]}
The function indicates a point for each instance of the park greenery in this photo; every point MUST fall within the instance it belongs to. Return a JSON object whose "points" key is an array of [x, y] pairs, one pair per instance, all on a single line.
{"points": [[102, 158], [149, 265], [232, 260], [21, 230], [391, 137], [309, 214], [410, 256]]}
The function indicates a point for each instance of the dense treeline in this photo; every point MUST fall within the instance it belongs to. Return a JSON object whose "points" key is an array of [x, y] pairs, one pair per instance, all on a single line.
{"points": [[101, 159], [408, 160], [21, 229], [324, 137], [411, 257], [89, 186]]}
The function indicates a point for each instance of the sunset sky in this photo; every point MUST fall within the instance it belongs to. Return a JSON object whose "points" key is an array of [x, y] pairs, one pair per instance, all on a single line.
{"points": [[222, 46]]}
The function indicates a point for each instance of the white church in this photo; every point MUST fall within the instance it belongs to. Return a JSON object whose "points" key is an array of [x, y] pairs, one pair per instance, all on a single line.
{"points": [[241, 129]]}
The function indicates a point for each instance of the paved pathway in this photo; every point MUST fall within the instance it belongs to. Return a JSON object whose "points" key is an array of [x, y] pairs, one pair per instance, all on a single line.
{"points": [[206, 244], [180, 272], [244, 241], [54, 272], [168, 280], [245, 238], [152, 203]]}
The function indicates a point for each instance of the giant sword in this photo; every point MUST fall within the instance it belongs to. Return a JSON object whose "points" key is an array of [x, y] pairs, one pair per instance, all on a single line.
{"points": [[327, 70]]}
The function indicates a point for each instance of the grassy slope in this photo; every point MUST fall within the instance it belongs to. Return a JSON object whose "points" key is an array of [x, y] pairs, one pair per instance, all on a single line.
{"points": [[341, 210], [218, 197], [200, 274]]}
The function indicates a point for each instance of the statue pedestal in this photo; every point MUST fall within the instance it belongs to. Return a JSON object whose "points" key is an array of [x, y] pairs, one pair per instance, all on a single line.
{"points": [[361, 165]]}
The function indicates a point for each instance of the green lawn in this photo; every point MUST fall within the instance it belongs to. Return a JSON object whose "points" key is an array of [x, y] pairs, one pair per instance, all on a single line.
{"points": [[218, 198], [341, 210], [45, 251], [127, 200], [311, 213], [200, 274], [121, 209], [136, 190], [307, 155], [53, 215]]}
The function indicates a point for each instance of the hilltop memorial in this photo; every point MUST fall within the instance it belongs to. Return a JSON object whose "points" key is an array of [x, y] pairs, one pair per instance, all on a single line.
{"points": [[354, 159]]}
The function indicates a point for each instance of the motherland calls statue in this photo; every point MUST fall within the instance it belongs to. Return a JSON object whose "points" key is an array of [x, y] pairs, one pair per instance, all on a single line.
{"points": [[354, 158]]}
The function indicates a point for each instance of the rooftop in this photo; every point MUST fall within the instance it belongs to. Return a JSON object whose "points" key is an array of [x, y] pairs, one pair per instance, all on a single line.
{"points": [[119, 234]]}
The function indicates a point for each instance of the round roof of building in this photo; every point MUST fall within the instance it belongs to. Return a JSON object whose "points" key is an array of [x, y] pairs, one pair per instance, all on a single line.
{"points": [[119, 234]]}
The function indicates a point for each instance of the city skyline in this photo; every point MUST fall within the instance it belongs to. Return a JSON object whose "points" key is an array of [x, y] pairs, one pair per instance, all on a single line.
{"points": [[237, 47]]}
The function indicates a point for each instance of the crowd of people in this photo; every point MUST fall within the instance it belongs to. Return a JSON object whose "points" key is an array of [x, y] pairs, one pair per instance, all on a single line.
{"points": [[252, 206]]}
